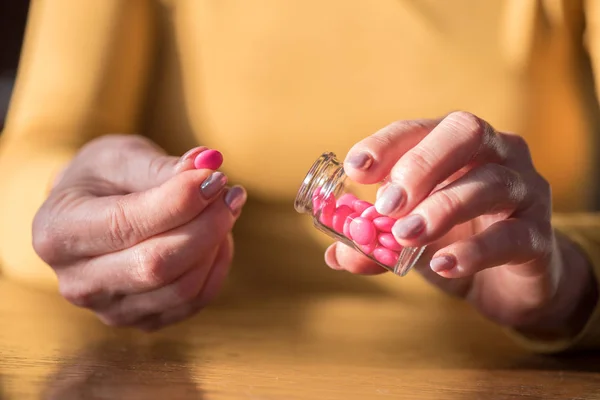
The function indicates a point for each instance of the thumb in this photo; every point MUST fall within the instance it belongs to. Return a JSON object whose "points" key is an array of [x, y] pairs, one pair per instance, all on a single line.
{"points": [[153, 170], [136, 164], [149, 167]]}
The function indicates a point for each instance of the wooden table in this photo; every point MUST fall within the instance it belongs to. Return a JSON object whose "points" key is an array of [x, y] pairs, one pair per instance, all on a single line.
{"points": [[412, 345]]}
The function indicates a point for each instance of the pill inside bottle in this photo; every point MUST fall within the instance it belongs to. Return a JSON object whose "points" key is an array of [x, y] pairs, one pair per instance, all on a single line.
{"points": [[327, 195]]}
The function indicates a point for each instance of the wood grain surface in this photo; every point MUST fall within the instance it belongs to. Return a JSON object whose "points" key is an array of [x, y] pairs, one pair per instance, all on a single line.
{"points": [[302, 347]]}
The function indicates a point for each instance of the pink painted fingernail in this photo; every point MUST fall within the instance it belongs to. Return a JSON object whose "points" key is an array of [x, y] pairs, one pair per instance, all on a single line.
{"points": [[391, 199], [235, 199], [213, 184], [409, 227], [209, 159], [442, 263], [361, 160]]}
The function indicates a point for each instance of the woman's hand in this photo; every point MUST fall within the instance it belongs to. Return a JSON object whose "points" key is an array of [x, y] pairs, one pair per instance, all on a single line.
{"points": [[140, 238], [474, 197]]}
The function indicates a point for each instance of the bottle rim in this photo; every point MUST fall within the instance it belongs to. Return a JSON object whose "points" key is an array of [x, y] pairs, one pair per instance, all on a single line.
{"points": [[317, 176]]}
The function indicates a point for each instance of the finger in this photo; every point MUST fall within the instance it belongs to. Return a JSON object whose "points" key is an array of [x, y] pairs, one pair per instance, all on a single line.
{"points": [[339, 256], [370, 160], [131, 308], [490, 189], [130, 163], [100, 225], [511, 241], [156, 262], [212, 286], [176, 296], [461, 139]]}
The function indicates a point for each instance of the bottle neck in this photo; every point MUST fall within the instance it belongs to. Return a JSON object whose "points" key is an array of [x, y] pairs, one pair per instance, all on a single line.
{"points": [[326, 177]]}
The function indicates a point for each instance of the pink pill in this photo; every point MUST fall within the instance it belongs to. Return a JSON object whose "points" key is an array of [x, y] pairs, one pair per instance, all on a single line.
{"points": [[347, 222], [339, 217], [363, 231], [368, 248], [360, 205], [209, 159], [316, 201], [386, 256], [346, 199], [317, 192], [384, 224], [327, 210], [370, 213], [387, 240]]}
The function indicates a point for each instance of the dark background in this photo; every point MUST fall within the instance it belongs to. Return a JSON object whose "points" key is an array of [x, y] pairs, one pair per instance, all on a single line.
{"points": [[13, 17]]}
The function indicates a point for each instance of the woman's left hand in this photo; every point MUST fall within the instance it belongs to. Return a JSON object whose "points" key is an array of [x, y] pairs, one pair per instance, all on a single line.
{"points": [[474, 197]]}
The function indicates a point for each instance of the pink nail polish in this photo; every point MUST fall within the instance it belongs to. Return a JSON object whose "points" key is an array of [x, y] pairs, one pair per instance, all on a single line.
{"points": [[209, 159], [235, 199], [442, 263]]}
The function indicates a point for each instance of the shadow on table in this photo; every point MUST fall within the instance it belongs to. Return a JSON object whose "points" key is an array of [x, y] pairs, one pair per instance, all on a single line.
{"points": [[125, 369]]}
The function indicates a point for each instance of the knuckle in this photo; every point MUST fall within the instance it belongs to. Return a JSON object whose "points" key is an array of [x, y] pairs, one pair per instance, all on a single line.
{"points": [[76, 293], [151, 267], [122, 232], [542, 185], [419, 161], [383, 139], [185, 292], [470, 124], [44, 239], [518, 144], [112, 319], [447, 202], [534, 236], [506, 183]]}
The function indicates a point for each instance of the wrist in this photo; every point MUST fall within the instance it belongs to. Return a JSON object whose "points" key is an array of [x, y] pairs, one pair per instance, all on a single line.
{"points": [[575, 297]]}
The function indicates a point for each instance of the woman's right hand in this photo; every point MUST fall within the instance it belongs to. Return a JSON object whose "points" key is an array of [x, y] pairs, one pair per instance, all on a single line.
{"points": [[141, 238]]}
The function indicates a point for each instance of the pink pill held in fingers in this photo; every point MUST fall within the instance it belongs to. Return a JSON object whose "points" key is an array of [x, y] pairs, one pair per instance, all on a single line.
{"points": [[384, 224], [387, 240], [209, 159], [339, 217], [347, 222], [347, 199], [386, 256], [360, 205], [370, 213], [363, 231]]}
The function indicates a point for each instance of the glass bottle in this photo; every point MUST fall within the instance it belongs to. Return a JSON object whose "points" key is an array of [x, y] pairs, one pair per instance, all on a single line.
{"points": [[327, 195]]}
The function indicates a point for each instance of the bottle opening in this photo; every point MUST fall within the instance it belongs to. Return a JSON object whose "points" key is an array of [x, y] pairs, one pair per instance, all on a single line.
{"points": [[325, 176]]}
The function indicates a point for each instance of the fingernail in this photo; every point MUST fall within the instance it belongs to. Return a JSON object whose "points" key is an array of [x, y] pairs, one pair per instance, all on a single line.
{"points": [[213, 184], [235, 199], [361, 160], [190, 155], [409, 227], [209, 159], [442, 263], [390, 200]]}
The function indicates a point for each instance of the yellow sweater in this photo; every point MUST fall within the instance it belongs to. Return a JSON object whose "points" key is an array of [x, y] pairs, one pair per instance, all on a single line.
{"points": [[274, 83]]}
